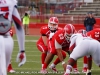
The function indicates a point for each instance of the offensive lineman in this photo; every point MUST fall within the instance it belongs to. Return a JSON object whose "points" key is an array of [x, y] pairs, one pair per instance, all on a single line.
{"points": [[56, 45], [86, 46]]}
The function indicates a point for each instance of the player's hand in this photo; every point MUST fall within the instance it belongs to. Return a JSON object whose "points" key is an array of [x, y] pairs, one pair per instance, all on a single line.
{"points": [[21, 58]]}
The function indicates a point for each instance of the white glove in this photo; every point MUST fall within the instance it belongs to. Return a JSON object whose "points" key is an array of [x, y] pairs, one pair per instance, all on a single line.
{"points": [[21, 58], [51, 35]]}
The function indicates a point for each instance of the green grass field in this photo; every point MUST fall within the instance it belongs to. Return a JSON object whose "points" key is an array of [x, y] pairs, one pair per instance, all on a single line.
{"points": [[33, 64]]}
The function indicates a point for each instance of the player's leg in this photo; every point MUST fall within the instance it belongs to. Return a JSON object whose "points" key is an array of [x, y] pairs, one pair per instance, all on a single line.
{"points": [[95, 53], [82, 50], [2, 56], [8, 48], [46, 63], [84, 64], [57, 61], [42, 48], [75, 68]]}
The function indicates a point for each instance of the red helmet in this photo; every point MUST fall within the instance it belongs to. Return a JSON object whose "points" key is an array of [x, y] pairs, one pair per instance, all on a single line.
{"points": [[53, 23], [83, 32], [69, 30]]}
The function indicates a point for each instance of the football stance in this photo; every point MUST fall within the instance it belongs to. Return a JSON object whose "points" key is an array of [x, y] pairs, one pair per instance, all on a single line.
{"points": [[83, 46], [58, 45], [46, 33], [95, 34]]}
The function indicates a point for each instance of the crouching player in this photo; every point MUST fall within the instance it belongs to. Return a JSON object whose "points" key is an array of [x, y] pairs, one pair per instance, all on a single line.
{"points": [[58, 44], [95, 34], [83, 46], [45, 31]]}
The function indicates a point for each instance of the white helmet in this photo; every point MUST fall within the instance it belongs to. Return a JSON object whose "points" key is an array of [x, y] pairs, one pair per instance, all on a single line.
{"points": [[53, 23]]}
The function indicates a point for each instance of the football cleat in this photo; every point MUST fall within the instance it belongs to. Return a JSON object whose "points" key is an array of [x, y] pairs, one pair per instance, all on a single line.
{"points": [[66, 73], [53, 69], [11, 71], [43, 71], [75, 71], [84, 70]]}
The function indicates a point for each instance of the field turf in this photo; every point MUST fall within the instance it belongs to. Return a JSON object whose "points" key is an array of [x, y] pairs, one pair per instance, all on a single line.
{"points": [[33, 64]]}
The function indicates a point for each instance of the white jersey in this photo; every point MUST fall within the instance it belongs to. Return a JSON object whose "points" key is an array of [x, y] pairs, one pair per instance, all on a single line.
{"points": [[85, 46], [76, 39]]}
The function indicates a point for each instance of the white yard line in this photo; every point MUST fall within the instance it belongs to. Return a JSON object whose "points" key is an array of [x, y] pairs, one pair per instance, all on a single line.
{"points": [[29, 55], [37, 71], [26, 51], [29, 40]]}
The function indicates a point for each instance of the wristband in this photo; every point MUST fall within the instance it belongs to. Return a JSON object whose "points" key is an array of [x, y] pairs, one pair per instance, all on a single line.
{"points": [[63, 62]]}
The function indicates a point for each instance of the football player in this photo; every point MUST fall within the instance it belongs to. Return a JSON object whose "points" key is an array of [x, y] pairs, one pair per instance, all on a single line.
{"points": [[95, 34], [83, 46], [58, 44], [9, 12], [47, 32]]}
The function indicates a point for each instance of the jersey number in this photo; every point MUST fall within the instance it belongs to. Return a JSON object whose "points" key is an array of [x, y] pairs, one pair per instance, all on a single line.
{"points": [[97, 34], [61, 36]]}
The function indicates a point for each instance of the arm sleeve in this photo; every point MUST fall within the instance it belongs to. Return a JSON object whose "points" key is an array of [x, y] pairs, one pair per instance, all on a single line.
{"points": [[19, 29]]}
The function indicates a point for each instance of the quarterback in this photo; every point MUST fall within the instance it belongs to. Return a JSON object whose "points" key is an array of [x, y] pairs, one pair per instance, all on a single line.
{"points": [[46, 33]]}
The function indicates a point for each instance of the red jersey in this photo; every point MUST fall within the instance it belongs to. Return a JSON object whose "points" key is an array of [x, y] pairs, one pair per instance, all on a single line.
{"points": [[45, 31], [95, 34], [58, 41]]}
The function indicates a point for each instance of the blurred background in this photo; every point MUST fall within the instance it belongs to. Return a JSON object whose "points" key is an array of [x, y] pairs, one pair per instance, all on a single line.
{"points": [[68, 11]]}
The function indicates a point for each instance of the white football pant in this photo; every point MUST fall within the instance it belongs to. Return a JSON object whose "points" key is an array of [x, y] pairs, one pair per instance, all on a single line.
{"points": [[87, 47], [6, 48]]}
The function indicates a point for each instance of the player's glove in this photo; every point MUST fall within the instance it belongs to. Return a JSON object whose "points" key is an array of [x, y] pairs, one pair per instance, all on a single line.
{"points": [[21, 58]]}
